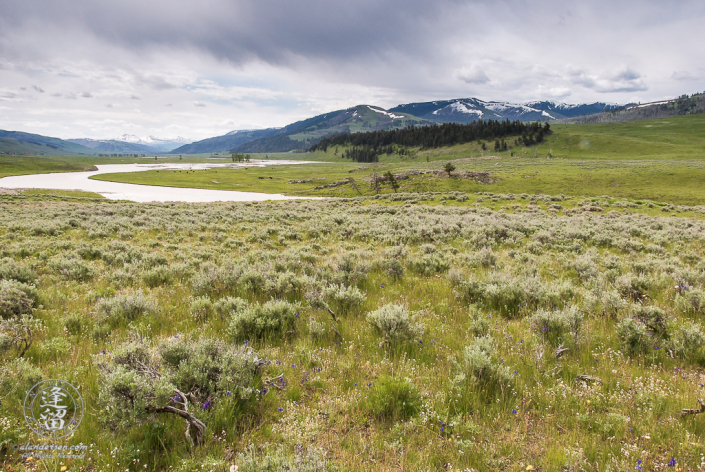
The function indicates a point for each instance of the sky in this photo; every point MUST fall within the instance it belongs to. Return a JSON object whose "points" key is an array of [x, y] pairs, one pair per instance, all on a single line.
{"points": [[196, 69]]}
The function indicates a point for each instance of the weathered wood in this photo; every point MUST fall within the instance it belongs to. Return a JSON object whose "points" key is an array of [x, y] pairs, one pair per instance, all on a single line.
{"points": [[694, 411], [589, 378], [560, 351]]}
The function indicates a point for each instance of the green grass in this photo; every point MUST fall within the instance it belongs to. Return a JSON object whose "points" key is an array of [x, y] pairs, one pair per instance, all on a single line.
{"points": [[658, 160], [21, 165]]}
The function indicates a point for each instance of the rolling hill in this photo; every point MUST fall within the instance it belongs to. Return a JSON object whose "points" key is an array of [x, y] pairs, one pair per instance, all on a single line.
{"points": [[303, 134], [223, 143], [19, 143]]}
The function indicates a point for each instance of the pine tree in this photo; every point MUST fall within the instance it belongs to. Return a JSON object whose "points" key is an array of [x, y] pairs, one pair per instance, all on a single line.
{"points": [[392, 180], [449, 167]]}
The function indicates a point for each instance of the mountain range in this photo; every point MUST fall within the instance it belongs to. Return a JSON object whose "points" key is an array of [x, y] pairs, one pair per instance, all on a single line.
{"points": [[128, 143], [466, 110], [303, 134]]}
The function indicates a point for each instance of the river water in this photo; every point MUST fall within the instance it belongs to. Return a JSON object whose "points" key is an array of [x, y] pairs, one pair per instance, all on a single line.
{"points": [[144, 193]]}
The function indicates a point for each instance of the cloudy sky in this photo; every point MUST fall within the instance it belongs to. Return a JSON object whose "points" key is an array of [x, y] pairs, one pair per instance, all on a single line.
{"points": [[196, 69]]}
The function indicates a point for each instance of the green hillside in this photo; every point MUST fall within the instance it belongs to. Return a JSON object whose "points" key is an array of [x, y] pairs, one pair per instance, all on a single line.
{"points": [[301, 135], [19, 143]]}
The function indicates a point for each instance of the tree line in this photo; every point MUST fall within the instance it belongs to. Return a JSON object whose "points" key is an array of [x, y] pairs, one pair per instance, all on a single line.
{"points": [[434, 136]]}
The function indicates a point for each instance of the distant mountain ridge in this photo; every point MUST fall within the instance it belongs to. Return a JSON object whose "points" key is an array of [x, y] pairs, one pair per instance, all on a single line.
{"points": [[305, 133], [154, 143], [112, 146], [466, 110], [20, 143]]}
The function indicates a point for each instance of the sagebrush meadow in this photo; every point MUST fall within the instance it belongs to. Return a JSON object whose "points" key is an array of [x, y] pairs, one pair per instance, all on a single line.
{"points": [[412, 331]]}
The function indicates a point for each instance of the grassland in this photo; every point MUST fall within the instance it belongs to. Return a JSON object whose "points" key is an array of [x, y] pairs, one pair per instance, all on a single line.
{"points": [[490, 295], [419, 330], [659, 160]]}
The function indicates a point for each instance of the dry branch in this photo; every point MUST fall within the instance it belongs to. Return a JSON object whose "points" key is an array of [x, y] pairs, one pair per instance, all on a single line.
{"points": [[694, 411]]}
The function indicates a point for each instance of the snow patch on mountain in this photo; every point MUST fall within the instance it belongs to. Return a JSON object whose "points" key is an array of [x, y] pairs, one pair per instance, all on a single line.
{"points": [[391, 115], [459, 107], [131, 138]]}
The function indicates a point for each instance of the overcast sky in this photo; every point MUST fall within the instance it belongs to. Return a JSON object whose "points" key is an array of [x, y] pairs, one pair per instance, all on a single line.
{"points": [[196, 69]]}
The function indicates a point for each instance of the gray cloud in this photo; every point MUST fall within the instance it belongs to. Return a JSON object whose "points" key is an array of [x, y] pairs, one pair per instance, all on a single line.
{"points": [[38, 89], [473, 75], [624, 80], [687, 75], [256, 63]]}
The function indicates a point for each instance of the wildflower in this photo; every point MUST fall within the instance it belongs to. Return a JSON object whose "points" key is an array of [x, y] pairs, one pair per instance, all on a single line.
{"points": [[638, 465], [206, 405], [281, 409], [529, 467], [514, 412], [521, 341], [103, 351], [369, 384], [177, 398], [516, 372], [228, 393], [672, 462], [382, 286], [420, 342], [356, 384], [442, 429]]}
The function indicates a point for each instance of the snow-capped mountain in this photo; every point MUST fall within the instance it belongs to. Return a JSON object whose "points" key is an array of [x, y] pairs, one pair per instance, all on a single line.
{"points": [[156, 144], [465, 110]]}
